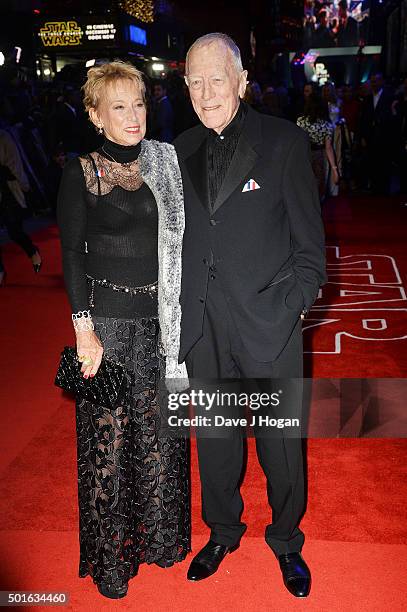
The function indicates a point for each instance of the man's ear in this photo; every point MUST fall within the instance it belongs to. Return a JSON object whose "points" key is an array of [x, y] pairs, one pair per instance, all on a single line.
{"points": [[243, 83]]}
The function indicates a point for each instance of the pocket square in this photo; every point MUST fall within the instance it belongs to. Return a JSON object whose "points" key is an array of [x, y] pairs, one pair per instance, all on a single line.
{"points": [[251, 185]]}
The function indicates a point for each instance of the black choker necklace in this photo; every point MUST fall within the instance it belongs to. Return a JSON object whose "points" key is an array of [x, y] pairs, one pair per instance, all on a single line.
{"points": [[125, 164], [120, 154]]}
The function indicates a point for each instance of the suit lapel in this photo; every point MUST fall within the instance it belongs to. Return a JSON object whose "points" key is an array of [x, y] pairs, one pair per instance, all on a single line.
{"points": [[197, 167], [245, 157]]}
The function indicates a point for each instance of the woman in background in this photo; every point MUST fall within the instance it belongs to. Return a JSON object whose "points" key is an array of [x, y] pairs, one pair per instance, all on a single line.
{"points": [[329, 95], [319, 129]]}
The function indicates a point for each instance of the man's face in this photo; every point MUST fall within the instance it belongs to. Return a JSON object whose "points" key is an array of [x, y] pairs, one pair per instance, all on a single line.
{"points": [[215, 85], [60, 159], [307, 91], [158, 92]]}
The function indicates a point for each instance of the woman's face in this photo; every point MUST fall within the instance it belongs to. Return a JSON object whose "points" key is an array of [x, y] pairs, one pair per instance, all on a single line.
{"points": [[121, 112], [307, 90]]}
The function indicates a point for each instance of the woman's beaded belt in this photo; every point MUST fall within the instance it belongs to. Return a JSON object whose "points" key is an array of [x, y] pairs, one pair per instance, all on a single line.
{"points": [[150, 289]]}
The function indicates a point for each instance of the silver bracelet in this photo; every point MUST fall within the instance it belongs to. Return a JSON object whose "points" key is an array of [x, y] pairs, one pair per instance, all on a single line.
{"points": [[82, 321]]}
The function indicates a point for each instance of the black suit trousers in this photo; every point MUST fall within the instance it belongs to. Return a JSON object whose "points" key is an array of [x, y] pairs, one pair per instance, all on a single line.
{"points": [[220, 354]]}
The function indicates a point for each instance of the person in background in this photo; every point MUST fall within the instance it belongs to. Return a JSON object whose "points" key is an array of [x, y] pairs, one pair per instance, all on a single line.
{"points": [[400, 108], [350, 109], [378, 134], [162, 123], [347, 33], [283, 97], [360, 159], [334, 104], [315, 122], [271, 102], [363, 91], [309, 22], [323, 36], [307, 90], [254, 96], [184, 116], [13, 184], [54, 175], [67, 124]]}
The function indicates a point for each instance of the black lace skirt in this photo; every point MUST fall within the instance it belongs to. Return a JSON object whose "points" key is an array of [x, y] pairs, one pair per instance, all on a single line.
{"points": [[133, 483]]}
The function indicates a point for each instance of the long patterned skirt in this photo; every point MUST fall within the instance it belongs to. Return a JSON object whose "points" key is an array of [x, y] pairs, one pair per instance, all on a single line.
{"points": [[133, 483]]}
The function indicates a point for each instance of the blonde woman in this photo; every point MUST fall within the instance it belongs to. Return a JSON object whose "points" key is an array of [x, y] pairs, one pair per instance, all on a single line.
{"points": [[121, 219]]}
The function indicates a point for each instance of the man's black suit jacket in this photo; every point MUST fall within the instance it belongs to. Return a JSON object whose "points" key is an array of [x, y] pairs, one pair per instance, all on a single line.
{"points": [[378, 124], [264, 246]]}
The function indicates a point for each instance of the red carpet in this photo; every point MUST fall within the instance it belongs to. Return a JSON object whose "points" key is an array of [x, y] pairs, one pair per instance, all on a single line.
{"points": [[358, 325], [355, 521]]}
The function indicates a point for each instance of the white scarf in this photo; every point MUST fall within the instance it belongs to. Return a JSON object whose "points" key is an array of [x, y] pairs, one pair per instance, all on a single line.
{"points": [[159, 168]]}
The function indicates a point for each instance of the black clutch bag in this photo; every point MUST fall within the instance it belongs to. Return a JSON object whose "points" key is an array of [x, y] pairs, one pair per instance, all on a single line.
{"points": [[107, 388]]}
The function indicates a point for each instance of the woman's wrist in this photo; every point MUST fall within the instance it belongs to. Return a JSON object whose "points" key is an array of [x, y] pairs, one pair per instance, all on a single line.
{"points": [[82, 321]]}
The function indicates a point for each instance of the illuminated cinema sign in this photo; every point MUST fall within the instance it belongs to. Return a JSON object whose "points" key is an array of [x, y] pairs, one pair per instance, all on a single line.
{"points": [[61, 34], [75, 33], [100, 31]]}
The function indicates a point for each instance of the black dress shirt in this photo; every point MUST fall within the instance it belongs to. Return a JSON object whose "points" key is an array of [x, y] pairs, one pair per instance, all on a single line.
{"points": [[221, 148]]}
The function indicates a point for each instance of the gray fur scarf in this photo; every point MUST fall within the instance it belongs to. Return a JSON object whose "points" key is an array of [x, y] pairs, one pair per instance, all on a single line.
{"points": [[159, 169]]}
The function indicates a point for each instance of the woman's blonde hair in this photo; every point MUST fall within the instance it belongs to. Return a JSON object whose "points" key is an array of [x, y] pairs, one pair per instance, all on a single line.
{"points": [[105, 74]]}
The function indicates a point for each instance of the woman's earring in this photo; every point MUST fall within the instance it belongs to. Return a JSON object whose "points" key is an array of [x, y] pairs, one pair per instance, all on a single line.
{"points": [[100, 130]]}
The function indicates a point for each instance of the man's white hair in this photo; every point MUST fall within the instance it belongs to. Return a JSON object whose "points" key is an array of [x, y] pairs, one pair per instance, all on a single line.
{"points": [[207, 39]]}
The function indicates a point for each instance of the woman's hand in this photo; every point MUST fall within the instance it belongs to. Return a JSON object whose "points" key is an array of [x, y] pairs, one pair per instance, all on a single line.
{"points": [[88, 346], [335, 176]]}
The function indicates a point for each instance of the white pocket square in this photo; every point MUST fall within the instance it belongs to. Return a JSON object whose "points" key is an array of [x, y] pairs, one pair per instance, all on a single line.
{"points": [[251, 185]]}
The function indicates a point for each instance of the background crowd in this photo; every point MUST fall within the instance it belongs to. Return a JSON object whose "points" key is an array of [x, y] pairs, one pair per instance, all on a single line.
{"points": [[358, 135]]}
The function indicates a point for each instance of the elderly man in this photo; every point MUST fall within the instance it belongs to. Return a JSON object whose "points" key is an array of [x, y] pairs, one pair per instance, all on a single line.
{"points": [[253, 262]]}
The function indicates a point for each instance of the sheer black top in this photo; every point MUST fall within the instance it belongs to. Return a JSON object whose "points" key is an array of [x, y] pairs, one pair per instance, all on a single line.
{"points": [[108, 224]]}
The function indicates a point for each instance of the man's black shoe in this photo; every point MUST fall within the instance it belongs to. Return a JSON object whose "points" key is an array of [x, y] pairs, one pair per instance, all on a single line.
{"points": [[208, 560], [296, 574]]}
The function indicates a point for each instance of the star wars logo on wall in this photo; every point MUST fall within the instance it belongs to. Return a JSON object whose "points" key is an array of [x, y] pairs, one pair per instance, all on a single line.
{"points": [[77, 33]]}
